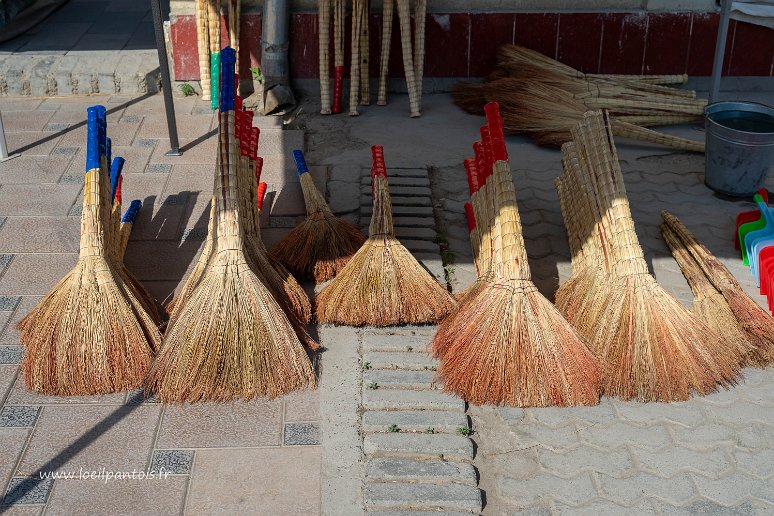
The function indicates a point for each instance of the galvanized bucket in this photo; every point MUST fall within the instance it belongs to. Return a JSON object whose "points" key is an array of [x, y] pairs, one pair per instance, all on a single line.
{"points": [[740, 147]]}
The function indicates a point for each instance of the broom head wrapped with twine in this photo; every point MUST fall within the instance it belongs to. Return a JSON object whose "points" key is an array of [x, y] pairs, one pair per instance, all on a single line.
{"points": [[85, 336], [509, 344], [383, 284], [231, 339], [321, 246]]}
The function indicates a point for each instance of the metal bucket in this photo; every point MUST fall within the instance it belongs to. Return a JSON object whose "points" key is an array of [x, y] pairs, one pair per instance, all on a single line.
{"points": [[740, 147]]}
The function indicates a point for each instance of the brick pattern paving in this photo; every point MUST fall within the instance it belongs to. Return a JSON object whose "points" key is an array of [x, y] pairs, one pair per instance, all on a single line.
{"points": [[217, 455]]}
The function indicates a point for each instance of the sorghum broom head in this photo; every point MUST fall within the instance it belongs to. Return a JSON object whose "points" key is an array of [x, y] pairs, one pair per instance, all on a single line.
{"points": [[383, 284], [321, 245], [510, 344], [86, 337], [652, 346], [473, 233], [709, 305], [470, 97], [231, 339], [756, 323]]}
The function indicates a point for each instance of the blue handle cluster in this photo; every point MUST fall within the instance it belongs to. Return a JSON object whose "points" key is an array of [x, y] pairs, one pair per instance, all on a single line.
{"points": [[132, 211], [92, 138], [115, 173], [301, 166], [227, 73], [102, 121]]}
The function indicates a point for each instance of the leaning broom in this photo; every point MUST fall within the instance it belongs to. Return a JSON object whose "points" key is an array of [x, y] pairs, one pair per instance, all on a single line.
{"points": [[230, 339], [383, 284], [90, 334], [508, 344], [322, 245]]}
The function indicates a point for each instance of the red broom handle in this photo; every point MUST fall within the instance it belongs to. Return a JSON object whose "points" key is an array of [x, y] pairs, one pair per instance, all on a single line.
{"points": [[338, 87], [258, 167], [486, 147], [472, 173], [261, 194], [255, 134], [497, 139], [378, 167], [118, 189], [470, 216]]}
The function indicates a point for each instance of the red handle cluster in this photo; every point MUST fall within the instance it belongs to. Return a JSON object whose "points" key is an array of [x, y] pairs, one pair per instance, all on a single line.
{"points": [[486, 153], [118, 189], [378, 167], [261, 194], [470, 216], [472, 173], [258, 167], [495, 125], [255, 134]]}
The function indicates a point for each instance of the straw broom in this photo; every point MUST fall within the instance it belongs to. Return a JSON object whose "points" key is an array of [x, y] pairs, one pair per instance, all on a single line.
{"points": [[383, 284], [213, 24], [354, 67], [86, 337], [709, 305], [231, 339], [388, 8], [203, 45], [365, 79], [420, 15], [754, 321], [321, 246], [652, 347], [339, 15], [404, 17], [509, 344], [324, 29]]}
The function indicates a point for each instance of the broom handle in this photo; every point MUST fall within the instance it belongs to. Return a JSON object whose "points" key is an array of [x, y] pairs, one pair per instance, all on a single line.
{"points": [[384, 61], [713, 268], [115, 173], [324, 23], [213, 13], [354, 67], [651, 120], [404, 17], [365, 79], [647, 79], [92, 235], [693, 273], [628, 130], [127, 223], [203, 47], [420, 19], [656, 88], [231, 24], [339, 13], [614, 104]]}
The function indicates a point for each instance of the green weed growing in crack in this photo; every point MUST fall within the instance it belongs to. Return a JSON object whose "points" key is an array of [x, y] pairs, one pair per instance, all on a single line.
{"points": [[464, 430], [409, 348], [393, 428], [187, 90], [366, 366], [429, 430], [373, 386]]}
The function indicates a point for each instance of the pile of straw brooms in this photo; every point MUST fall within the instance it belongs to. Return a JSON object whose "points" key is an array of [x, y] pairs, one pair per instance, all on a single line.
{"points": [[544, 99], [613, 330], [208, 39], [360, 90]]}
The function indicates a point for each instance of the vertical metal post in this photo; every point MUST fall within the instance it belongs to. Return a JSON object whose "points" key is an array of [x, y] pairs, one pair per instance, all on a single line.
{"points": [[3, 146], [166, 83], [720, 50]]}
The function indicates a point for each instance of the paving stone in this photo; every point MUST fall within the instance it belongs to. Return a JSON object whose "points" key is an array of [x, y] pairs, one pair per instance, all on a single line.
{"points": [[740, 414], [705, 508], [416, 495], [619, 434], [349, 174], [11, 354], [9, 303], [615, 463], [559, 416], [20, 395], [414, 421], [39, 235], [426, 221], [176, 462], [400, 181], [394, 342], [407, 470], [683, 413], [405, 329], [755, 436], [344, 196], [399, 399], [399, 379], [670, 461], [404, 360], [301, 434], [544, 486], [25, 274], [734, 489], [759, 463], [402, 211], [627, 491], [27, 490], [37, 200], [419, 246], [302, 406], [604, 508], [414, 513], [418, 446], [427, 234], [707, 436], [18, 416]]}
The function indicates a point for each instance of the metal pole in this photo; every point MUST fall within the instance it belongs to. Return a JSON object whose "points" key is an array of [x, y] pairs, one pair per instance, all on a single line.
{"points": [[166, 83], [720, 50], [3, 146]]}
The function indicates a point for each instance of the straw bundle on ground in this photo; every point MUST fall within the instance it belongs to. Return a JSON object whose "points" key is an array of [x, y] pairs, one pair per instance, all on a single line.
{"points": [[755, 323], [652, 348], [321, 246], [89, 335], [383, 284], [509, 344], [388, 8], [324, 30], [231, 338]]}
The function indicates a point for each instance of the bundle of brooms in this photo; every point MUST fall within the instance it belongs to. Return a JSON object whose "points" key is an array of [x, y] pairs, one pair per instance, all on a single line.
{"points": [[229, 338], [321, 246], [651, 347], [382, 284], [506, 343], [539, 100], [92, 334], [719, 300]]}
